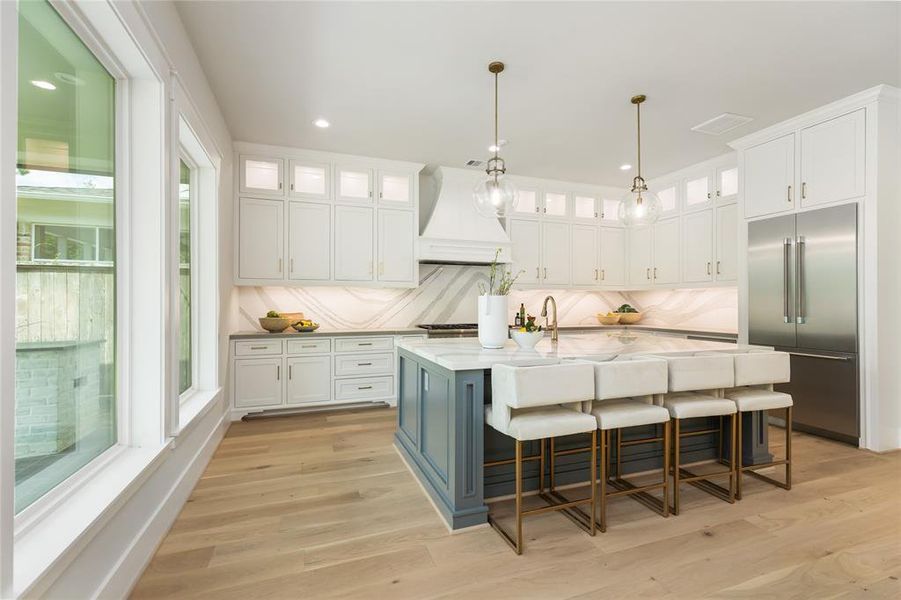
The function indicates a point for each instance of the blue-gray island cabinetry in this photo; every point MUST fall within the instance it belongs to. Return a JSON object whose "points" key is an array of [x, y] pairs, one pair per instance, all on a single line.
{"points": [[444, 385]]}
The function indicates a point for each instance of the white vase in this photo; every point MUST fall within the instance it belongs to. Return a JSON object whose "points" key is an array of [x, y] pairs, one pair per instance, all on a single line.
{"points": [[492, 321]]}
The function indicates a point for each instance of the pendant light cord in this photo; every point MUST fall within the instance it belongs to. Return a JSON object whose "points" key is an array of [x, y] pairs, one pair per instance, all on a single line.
{"points": [[638, 109], [496, 147]]}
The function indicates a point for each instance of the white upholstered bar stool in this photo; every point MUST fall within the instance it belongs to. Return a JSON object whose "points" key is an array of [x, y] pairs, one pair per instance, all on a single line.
{"points": [[624, 391], [755, 374], [696, 385], [537, 403]]}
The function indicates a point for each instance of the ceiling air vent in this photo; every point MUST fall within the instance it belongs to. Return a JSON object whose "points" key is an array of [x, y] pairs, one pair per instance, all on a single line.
{"points": [[474, 163], [721, 124]]}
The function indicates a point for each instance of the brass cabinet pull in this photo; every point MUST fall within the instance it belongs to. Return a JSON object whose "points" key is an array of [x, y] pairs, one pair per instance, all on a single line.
{"points": [[655, 272], [545, 272], [279, 265], [259, 347], [308, 346], [369, 364], [291, 265], [708, 267], [537, 272], [803, 190], [648, 272], [290, 371], [718, 194], [789, 198], [364, 387], [278, 372], [717, 267], [279, 185], [364, 343], [292, 187], [595, 274], [602, 274], [708, 195]]}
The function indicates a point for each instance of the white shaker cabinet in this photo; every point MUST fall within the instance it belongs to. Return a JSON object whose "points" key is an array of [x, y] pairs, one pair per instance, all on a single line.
{"points": [[769, 172], [309, 379], [555, 269], [395, 188], [261, 175], [309, 180], [667, 266], [640, 255], [261, 238], [258, 382], [697, 246], [309, 241], [396, 257], [586, 208], [613, 256], [726, 243], [832, 160], [353, 184], [526, 237], [353, 249], [585, 269]]}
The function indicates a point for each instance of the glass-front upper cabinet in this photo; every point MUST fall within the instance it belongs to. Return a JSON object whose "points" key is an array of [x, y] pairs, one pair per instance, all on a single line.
{"points": [[697, 191], [585, 207], [726, 183], [354, 184], [610, 211], [526, 202], [395, 189], [262, 175], [669, 202], [555, 204], [309, 180]]}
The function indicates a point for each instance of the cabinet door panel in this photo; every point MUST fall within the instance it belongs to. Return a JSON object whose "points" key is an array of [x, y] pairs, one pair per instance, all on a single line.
{"points": [[697, 246], [353, 243], [769, 176], [309, 241], [309, 379], [526, 203], [585, 207], [395, 189], [260, 238], [526, 238], [556, 204], [585, 255], [555, 243], [726, 183], [258, 382], [261, 175], [613, 256], [666, 252], [697, 191], [353, 184], [727, 243], [396, 245], [640, 253], [832, 160], [309, 180]]}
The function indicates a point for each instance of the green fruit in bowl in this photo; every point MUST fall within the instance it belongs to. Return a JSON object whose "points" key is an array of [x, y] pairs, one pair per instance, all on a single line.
{"points": [[272, 314]]}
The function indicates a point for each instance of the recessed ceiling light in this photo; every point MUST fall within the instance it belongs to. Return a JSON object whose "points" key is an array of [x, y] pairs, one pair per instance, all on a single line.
{"points": [[625, 167], [321, 123], [44, 85], [500, 144]]}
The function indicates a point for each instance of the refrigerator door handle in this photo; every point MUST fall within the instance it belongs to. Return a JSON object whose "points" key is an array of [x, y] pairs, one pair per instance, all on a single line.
{"points": [[799, 274], [786, 283]]}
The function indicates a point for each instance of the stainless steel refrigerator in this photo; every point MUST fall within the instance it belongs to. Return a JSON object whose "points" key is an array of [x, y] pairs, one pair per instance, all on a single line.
{"points": [[802, 299]]}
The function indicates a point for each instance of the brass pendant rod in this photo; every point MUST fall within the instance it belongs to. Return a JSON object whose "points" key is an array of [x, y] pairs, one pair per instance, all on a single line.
{"points": [[496, 139], [638, 110]]}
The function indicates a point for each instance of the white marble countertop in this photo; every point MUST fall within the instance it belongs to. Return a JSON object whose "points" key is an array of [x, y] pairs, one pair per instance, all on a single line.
{"points": [[464, 354], [324, 332]]}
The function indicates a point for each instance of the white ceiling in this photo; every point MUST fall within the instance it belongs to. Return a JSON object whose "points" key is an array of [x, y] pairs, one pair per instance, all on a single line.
{"points": [[410, 81]]}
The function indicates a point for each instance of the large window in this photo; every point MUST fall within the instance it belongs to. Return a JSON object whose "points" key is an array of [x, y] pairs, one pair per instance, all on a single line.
{"points": [[65, 255], [186, 345]]}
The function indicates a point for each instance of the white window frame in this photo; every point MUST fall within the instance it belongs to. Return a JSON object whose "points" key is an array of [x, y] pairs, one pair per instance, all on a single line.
{"points": [[53, 524], [184, 155], [56, 261]]}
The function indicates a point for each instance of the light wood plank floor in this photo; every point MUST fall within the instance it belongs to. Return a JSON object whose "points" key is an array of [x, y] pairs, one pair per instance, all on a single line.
{"points": [[321, 506]]}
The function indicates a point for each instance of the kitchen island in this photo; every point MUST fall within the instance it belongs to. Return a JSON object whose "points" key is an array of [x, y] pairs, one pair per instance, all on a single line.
{"points": [[444, 384]]}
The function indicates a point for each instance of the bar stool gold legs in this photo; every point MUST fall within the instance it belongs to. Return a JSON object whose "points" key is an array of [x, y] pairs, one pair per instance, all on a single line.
{"points": [[702, 482], [751, 469], [622, 487], [555, 501]]}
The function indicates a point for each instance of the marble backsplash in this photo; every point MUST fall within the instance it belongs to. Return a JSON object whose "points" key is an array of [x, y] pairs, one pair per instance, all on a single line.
{"points": [[447, 294]]}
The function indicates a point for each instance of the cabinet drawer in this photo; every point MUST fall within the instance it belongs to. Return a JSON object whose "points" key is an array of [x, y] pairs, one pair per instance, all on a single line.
{"points": [[364, 388], [314, 346], [258, 347], [364, 364], [363, 344]]}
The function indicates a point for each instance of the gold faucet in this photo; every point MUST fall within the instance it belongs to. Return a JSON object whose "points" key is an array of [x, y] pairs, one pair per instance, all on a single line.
{"points": [[548, 325]]}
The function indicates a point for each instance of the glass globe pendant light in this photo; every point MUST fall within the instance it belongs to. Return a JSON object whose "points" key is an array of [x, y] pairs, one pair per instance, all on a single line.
{"points": [[495, 196], [639, 206]]}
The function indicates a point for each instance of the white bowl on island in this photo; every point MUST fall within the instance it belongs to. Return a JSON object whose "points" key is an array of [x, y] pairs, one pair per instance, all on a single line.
{"points": [[526, 339]]}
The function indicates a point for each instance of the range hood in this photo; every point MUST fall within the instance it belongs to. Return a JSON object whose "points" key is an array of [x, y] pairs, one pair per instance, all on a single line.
{"points": [[451, 231]]}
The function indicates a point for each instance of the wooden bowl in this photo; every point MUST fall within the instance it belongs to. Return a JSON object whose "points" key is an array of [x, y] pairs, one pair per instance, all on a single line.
{"points": [[629, 318], [293, 317], [608, 319], [274, 324]]}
